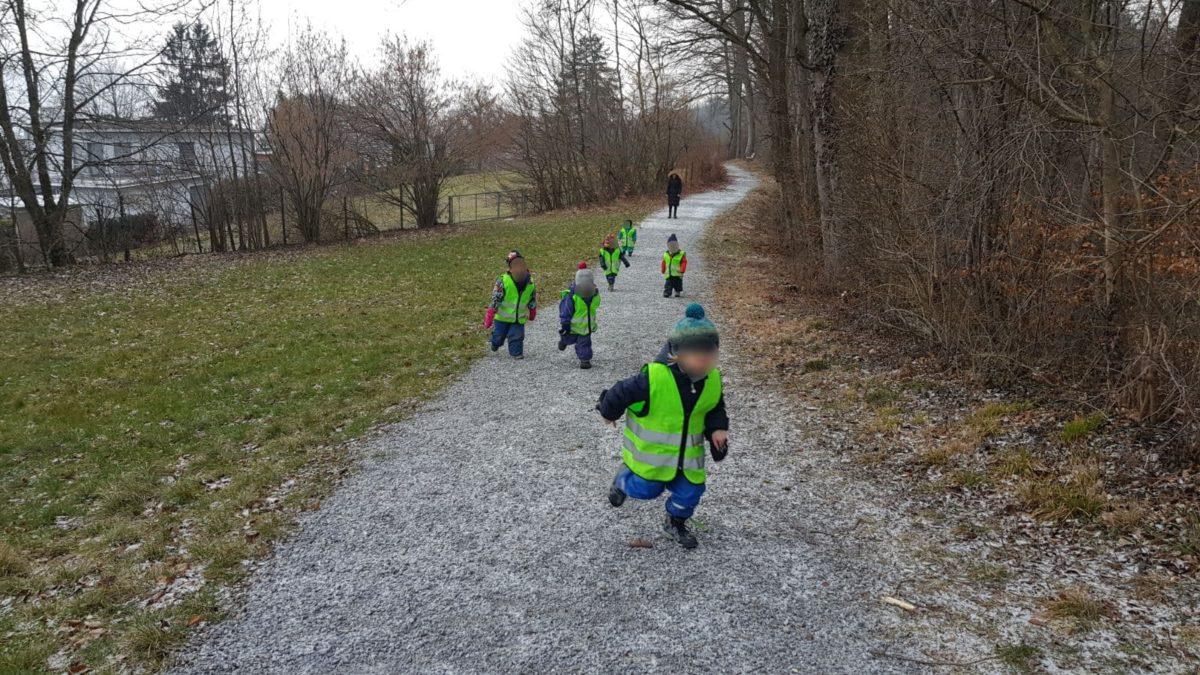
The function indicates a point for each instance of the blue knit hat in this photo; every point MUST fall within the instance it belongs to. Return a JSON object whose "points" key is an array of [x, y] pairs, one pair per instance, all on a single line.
{"points": [[675, 239], [694, 331]]}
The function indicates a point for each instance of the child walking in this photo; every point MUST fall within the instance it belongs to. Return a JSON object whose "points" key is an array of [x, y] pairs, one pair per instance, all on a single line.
{"points": [[577, 315], [671, 408], [627, 238], [514, 301], [611, 259], [674, 264]]}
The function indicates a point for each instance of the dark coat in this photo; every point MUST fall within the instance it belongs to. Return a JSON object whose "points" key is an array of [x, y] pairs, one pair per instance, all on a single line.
{"points": [[615, 399], [674, 190]]}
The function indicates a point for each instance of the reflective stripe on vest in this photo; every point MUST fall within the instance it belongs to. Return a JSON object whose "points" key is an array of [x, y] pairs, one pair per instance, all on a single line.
{"points": [[673, 263], [612, 260], [514, 308], [583, 321], [653, 442]]}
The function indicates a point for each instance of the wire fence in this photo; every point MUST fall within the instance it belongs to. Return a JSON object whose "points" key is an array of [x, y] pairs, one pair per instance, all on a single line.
{"points": [[488, 206]]}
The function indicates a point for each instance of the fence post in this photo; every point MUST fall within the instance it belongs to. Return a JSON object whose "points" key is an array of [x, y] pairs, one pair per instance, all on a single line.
{"points": [[345, 219], [282, 216], [497, 206], [450, 210], [195, 227]]}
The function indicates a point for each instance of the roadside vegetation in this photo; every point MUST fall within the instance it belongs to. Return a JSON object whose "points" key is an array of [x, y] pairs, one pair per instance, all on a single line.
{"points": [[164, 423], [1054, 531]]}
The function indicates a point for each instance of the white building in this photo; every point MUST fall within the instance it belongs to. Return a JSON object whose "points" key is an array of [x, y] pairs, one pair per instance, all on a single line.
{"points": [[148, 167]]}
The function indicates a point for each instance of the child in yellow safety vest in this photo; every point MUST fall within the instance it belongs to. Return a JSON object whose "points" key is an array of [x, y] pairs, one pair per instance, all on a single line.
{"points": [[674, 265], [671, 407], [627, 238], [611, 259], [514, 302], [577, 315]]}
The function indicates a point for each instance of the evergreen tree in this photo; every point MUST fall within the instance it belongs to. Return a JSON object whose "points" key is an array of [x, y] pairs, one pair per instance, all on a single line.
{"points": [[195, 74]]}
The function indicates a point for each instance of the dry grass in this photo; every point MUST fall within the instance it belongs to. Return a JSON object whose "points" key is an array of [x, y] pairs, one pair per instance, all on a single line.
{"points": [[1078, 606], [1078, 495], [1125, 518], [1017, 463]]}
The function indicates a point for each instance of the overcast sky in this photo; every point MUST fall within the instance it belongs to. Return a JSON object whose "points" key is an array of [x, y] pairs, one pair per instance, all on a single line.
{"points": [[472, 38]]}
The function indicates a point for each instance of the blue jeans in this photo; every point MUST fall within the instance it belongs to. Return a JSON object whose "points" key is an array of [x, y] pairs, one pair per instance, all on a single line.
{"points": [[513, 332], [583, 345], [685, 495]]}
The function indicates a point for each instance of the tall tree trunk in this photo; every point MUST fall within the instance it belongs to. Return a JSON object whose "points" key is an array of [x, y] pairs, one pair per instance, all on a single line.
{"points": [[840, 50]]}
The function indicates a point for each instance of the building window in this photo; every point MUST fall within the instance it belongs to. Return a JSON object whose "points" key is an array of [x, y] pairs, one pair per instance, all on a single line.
{"points": [[187, 156]]}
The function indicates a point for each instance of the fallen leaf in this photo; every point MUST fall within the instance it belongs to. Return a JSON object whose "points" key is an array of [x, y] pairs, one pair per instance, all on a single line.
{"points": [[194, 619], [640, 543]]}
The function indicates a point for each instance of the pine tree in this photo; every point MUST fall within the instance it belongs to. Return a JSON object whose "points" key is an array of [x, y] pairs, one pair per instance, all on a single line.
{"points": [[195, 74]]}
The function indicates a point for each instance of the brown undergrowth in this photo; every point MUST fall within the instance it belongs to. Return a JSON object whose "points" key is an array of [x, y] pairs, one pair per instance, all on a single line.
{"points": [[1064, 501]]}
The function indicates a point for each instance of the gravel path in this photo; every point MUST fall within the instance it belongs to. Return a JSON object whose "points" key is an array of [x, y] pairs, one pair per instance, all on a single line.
{"points": [[478, 537]]}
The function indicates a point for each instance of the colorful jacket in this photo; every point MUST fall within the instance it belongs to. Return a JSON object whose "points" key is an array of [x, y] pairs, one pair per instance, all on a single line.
{"points": [[604, 264], [498, 291], [682, 265]]}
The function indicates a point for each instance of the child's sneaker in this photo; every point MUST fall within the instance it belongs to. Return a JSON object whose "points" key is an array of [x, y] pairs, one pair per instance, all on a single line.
{"points": [[616, 496], [494, 347], [518, 356], [562, 343], [584, 365], [676, 528]]}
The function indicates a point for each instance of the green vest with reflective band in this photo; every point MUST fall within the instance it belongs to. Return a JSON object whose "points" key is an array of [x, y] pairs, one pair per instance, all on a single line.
{"points": [[653, 441], [583, 321], [611, 260], [514, 308], [625, 237], [673, 263]]}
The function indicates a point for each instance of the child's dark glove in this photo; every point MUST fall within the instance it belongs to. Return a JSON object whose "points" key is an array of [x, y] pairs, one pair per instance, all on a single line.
{"points": [[626, 263]]}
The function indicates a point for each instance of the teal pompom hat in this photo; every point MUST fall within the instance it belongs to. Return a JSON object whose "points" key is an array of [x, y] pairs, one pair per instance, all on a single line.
{"points": [[694, 331]]}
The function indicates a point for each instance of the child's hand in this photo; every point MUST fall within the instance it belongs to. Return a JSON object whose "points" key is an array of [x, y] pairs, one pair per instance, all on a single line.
{"points": [[720, 444]]}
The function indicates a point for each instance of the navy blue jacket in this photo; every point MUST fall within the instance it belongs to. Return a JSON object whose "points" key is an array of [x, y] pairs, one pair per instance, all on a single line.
{"points": [[566, 309], [631, 390]]}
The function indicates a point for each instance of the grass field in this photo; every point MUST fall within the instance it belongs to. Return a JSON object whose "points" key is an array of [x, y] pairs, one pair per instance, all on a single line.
{"points": [[157, 434]]}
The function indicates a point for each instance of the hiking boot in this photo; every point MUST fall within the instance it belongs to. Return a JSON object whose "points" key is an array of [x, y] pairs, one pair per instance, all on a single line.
{"points": [[562, 343], [494, 347], [584, 365], [678, 294], [676, 528], [616, 496], [667, 293], [518, 356], [610, 286]]}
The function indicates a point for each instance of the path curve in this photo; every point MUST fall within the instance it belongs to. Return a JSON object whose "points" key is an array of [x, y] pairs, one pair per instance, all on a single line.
{"points": [[478, 536]]}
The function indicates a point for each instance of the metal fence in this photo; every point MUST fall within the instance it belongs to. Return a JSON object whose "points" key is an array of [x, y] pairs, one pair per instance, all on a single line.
{"points": [[488, 206]]}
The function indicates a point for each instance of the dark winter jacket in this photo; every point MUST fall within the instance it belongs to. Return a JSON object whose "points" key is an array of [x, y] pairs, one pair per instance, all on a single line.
{"points": [[566, 309], [674, 190], [631, 390], [604, 264]]}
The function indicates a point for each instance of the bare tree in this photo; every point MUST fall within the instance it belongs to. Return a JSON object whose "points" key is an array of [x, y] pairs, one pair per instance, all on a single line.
{"points": [[307, 130], [44, 59], [419, 126]]}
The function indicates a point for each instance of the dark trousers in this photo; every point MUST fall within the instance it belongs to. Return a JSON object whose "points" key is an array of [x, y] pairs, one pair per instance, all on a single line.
{"points": [[513, 333], [583, 345], [672, 210], [672, 284], [612, 279]]}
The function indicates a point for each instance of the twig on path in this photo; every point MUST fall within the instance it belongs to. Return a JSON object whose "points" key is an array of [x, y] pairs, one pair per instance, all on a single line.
{"points": [[882, 654]]}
